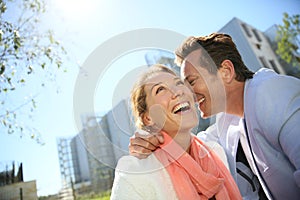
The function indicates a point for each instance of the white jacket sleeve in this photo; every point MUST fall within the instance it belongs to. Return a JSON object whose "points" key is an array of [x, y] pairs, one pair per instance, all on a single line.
{"points": [[279, 119]]}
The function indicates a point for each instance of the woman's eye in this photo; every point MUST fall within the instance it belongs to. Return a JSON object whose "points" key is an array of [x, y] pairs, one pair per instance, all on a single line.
{"points": [[160, 88]]}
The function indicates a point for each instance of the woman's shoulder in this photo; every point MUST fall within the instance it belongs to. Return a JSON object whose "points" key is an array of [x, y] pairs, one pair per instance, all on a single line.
{"points": [[142, 179], [131, 164]]}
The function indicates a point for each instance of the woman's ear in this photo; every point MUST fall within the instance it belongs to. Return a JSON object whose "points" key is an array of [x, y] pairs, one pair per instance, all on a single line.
{"points": [[227, 71], [147, 120]]}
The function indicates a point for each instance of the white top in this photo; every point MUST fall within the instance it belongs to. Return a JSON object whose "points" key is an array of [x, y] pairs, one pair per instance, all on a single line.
{"points": [[144, 179], [147, 179]]}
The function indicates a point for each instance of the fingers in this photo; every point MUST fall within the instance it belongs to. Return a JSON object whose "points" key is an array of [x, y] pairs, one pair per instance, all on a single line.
{"points": [[147, 143], [139, 152], [160, 138], [154, 139], [139, 156], [141, 145]]}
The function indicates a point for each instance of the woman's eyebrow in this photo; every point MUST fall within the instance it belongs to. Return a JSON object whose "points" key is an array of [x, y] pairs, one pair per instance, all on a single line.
{"points": [[155, 85], [175, 79]]}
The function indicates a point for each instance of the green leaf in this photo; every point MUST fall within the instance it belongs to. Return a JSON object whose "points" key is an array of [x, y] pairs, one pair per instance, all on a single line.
{"points": [[30, 69], [2, 7], [33, 103], [2, 69], [52, 40], [1, 35]]}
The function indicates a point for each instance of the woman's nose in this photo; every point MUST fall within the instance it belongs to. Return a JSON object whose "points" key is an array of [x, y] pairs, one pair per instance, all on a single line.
{"points": [[176, 91]]}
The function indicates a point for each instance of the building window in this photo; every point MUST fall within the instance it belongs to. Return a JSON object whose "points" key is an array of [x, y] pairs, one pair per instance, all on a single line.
{"points": [[246, 30], [274, 66], [263, 62], [258, 46], [256, 35]]}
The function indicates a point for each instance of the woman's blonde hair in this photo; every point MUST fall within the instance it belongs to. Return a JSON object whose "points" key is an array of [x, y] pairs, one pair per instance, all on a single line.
{"points": [[138, 93]]}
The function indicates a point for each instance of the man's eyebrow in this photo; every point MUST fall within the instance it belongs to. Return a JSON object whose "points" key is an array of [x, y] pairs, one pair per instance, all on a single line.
{"points": [[190, 76]]}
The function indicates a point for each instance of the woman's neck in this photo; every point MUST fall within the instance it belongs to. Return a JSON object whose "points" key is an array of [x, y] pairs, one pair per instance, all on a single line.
{"points": [[183, 139]]}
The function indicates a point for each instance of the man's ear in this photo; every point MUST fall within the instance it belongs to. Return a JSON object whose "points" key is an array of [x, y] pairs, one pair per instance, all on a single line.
{"points": [[227, 71]]}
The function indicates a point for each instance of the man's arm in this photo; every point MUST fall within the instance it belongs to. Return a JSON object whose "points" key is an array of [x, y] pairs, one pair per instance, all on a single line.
{"points": [[280, 120], [289, 140], [142, 145]]}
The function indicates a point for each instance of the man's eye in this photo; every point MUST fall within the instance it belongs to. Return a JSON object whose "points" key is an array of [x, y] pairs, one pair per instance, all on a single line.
{"points": [[179, 83], [192, 82], [159, 89]]}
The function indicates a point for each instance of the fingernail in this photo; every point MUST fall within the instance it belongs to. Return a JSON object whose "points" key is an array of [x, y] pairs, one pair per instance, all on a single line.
{"points": [[160, 138]]}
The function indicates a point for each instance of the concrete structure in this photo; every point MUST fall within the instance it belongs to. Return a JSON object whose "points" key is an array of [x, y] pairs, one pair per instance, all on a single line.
{"points": [[101, 158], [66, 168], [87, 160], [79, 159], [121, 127], [253, 46], [162, 57], [271, 34], [12, 185], [19, 190]]}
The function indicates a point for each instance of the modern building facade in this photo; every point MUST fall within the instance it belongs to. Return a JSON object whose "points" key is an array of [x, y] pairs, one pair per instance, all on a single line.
{"points": [[100, 155], [87, 159], [271, 34], [79, 159], [66, 168], [121, 127], [257, 48]]}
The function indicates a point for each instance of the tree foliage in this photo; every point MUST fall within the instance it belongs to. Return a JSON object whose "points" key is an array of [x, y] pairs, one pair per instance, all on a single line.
{"points": [[288, 39], [26, 52]]}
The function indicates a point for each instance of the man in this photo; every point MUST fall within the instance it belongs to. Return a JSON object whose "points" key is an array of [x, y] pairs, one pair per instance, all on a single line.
{"points": [[267, 104]]}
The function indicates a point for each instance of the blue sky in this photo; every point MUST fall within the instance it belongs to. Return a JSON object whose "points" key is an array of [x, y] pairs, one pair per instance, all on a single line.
{"points": [[82, 26]]}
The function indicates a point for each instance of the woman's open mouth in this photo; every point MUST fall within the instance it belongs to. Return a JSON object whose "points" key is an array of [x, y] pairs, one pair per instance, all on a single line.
{"points": [[181, 107]]}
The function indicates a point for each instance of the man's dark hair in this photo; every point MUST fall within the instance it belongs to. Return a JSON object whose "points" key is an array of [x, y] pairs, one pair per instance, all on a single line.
{"points": [[219, 47]]}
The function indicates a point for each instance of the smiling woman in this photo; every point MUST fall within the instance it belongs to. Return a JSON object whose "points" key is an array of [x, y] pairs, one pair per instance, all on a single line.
{"points": [[183, 167]]}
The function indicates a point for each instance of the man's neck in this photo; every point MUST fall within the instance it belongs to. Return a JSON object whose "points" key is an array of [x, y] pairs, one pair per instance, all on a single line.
{"points": [[235, 99]]}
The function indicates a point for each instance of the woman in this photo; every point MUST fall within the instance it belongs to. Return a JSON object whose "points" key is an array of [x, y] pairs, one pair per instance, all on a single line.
{"points": [[183, 167]]}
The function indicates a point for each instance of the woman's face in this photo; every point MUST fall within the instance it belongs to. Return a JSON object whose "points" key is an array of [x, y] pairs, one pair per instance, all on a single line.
{"points": [[170, 104]]}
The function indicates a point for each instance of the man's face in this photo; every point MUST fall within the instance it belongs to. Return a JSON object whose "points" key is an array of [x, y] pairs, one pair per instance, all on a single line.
{"points": [[208, 87]]}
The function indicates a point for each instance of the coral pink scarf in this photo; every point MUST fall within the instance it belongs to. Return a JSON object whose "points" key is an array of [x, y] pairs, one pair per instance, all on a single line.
{"points": [[198, 175]]}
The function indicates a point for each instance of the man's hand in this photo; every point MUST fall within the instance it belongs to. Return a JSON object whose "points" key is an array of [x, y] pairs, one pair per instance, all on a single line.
{"points": [[142, 145]]}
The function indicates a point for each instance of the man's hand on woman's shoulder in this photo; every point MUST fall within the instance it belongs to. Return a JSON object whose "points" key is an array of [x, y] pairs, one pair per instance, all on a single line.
{"points": [[141, 145]]}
